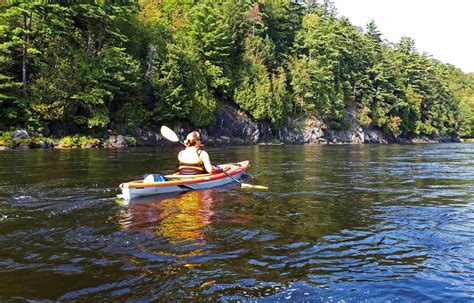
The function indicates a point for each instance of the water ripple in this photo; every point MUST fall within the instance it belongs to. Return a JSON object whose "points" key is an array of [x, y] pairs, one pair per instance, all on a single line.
{"points": [[339, 223]]}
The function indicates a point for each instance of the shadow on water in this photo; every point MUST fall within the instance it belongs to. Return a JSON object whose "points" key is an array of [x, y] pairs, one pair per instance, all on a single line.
{"points": [[337, 223]]}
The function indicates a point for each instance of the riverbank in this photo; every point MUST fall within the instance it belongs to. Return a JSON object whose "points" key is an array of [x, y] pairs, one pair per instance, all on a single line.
{"points": [[231, 127], [21, 139]]}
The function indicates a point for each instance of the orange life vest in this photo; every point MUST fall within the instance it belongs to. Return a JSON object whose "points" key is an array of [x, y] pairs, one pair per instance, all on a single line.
{"points": [[190, 163]]}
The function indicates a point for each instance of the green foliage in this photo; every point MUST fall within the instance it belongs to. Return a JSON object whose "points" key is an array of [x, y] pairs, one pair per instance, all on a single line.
{"points": [[79, 141], [263, 96], [67, 141], [202, 112], [82, 141], [312, 85], [364, 118], [212, 36], [76, 67], [462, 87], [283, 20], [132, 142], [120, 65], [6, 139], [173, 85], [18, 142]]}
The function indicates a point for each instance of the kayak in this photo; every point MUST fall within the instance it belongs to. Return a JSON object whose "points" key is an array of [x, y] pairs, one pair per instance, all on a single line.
{"points": [[180, 183]]}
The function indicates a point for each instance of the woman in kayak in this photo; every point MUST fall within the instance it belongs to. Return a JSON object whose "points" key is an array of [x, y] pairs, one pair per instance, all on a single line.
{"points": [[193, 160]]}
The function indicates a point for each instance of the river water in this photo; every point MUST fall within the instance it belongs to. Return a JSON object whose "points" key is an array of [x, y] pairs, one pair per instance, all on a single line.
{"points": [[338, 223]]}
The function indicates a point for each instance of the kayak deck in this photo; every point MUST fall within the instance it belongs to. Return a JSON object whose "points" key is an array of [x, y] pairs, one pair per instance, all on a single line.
{"points": [[178, 176], [180, 183]]}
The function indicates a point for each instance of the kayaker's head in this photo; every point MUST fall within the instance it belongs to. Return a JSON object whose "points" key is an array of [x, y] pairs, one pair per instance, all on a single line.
{"points": [[193, 139]]}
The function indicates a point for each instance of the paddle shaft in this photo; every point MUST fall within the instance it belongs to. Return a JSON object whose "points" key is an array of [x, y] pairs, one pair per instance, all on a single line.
{"points": [[227, 174]]}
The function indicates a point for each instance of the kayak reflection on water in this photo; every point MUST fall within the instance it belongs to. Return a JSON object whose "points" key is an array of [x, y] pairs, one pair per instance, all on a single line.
{"points": [[179, 217]]}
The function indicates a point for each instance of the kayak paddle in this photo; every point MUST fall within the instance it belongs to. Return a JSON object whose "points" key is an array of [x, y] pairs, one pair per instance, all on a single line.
{"points": [[243, 185], [170, 135]]}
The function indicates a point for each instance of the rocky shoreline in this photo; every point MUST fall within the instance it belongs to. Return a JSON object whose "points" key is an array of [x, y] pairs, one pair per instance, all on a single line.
{"points": [[236, 128], [232, 127]]}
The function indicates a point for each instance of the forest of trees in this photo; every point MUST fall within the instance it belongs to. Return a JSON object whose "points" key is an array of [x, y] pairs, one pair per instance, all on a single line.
{"points": [[89, 66]]}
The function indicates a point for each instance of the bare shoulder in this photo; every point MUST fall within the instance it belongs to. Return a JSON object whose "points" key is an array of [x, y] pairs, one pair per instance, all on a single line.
{"points": [[204, 154]]}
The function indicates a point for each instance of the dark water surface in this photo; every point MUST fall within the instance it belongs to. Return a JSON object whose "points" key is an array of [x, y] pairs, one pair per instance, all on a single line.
{"points": [[339, 223]]}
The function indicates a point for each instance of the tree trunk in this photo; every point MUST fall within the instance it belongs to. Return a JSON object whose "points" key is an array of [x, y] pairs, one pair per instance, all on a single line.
{"points": [[101, 37], [102, 28], [149, 76], [23, 53], [89, 38]]}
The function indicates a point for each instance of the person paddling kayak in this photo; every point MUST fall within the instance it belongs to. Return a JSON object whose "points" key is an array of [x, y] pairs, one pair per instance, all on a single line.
{"points": [[193, 160]]}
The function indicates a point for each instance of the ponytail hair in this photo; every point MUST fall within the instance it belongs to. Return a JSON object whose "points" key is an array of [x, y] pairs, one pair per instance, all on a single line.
{"points": [[193, 139]]}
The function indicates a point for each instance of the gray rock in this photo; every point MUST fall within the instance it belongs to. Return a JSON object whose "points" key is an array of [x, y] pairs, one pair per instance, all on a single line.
{"points": [[265, 132], [322, 141], [255, 136], [204, 135], [4, 147], [423, 140], [231, 122], [374, 136], [117, 142], [235, 127], [20, 134], [313, 138], [147, 137]]}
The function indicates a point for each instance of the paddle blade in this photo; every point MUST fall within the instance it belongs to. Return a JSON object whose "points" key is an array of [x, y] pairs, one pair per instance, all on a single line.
{"points": [[246, 185], [169, 134]]}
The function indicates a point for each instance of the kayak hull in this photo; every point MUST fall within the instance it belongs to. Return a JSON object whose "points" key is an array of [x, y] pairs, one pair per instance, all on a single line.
{"points": [[134, 189]]}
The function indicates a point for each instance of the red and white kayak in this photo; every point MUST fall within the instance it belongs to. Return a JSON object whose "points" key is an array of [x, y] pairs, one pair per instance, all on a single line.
{"points": [[181, 183]]}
